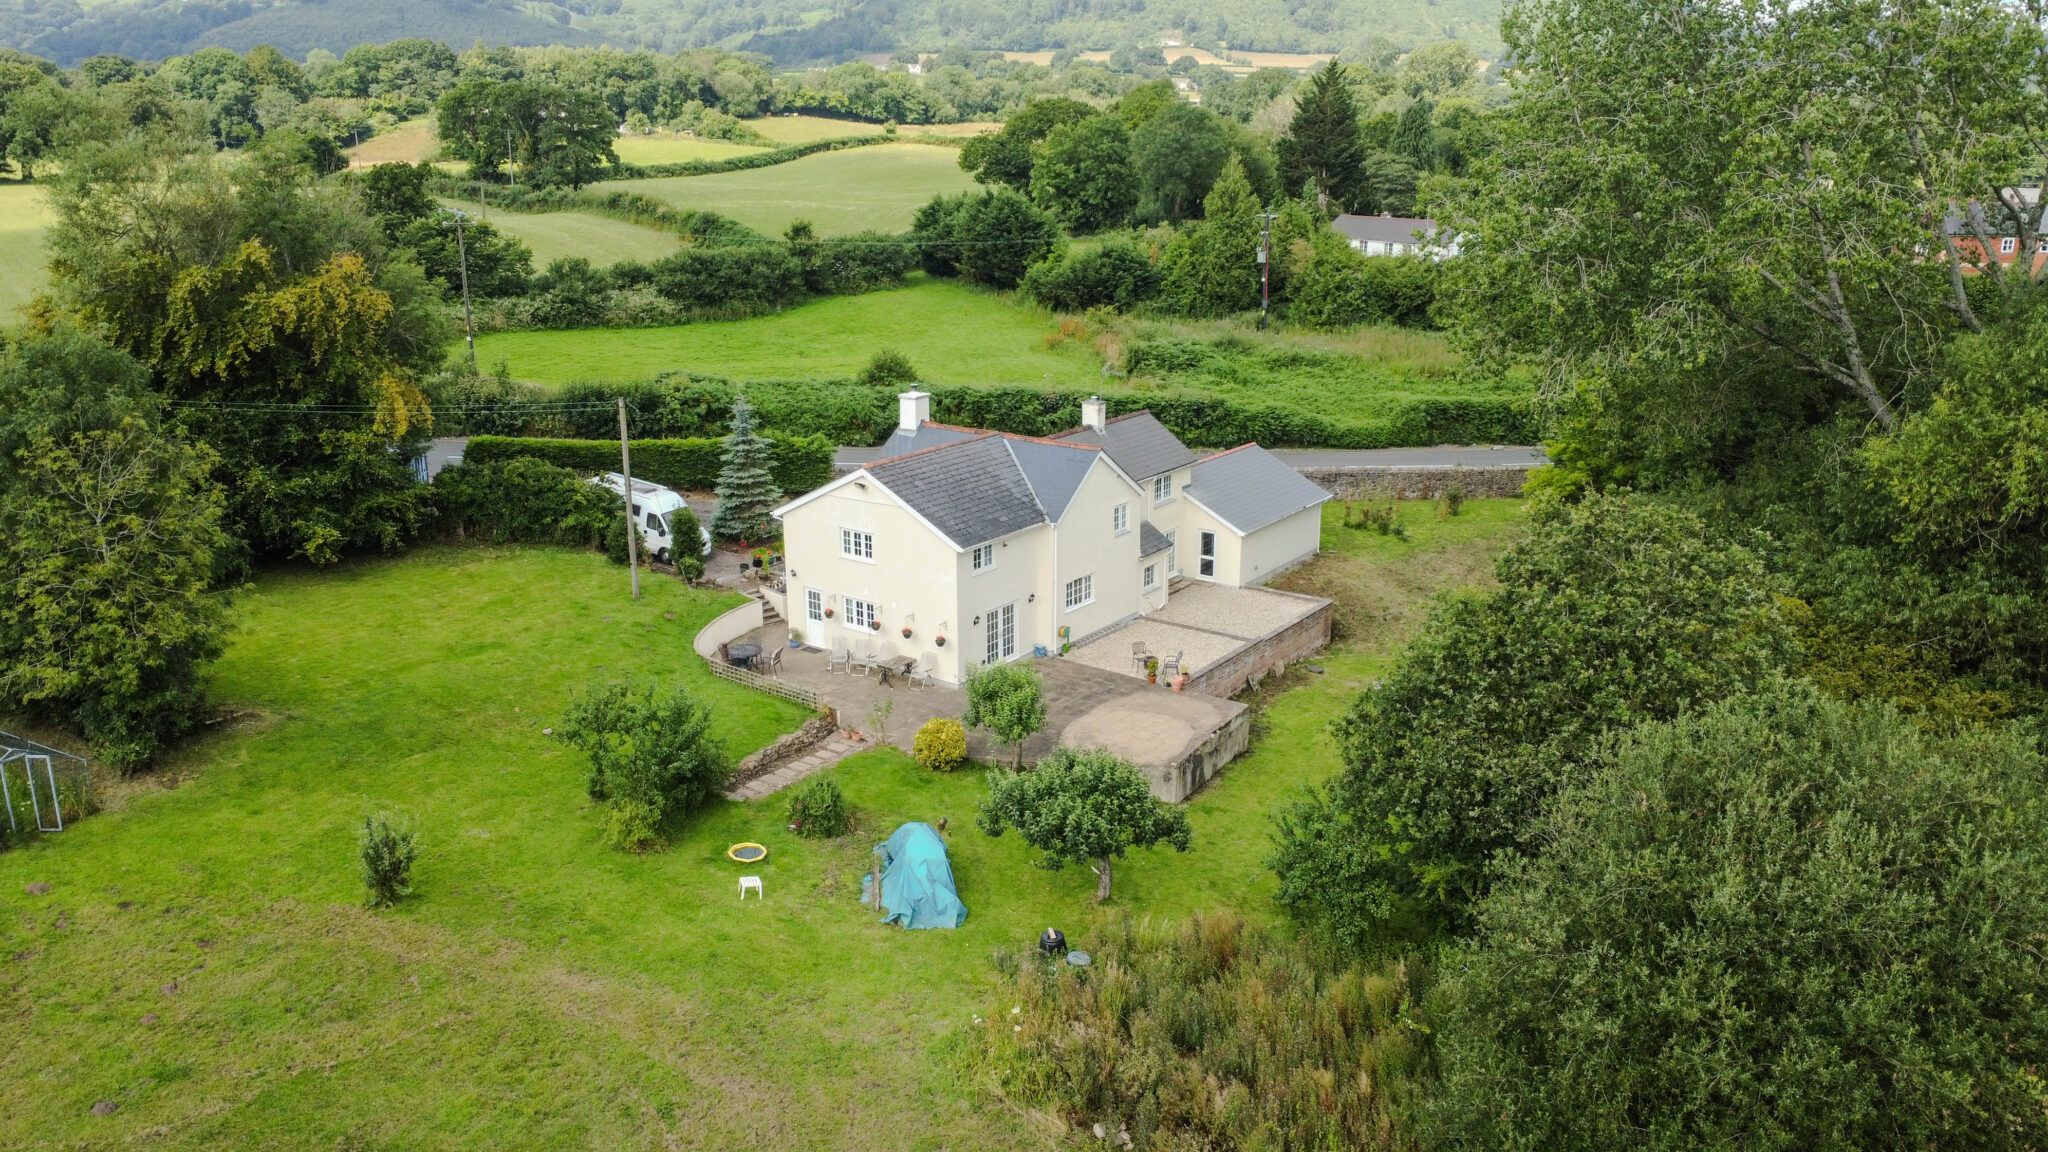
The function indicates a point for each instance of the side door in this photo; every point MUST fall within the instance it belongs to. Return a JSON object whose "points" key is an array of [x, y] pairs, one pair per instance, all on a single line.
{"points": [[814, 618], [1207, 570]]}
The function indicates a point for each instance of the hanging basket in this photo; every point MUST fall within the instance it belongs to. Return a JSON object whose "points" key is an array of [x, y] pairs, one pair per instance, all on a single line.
{"points": [[906, 633], [828, 613], [876, 625], [941, 641]]}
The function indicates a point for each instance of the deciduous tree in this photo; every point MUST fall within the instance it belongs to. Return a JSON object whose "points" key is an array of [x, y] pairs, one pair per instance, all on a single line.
{"points": [[1082, 806], [1008, 700], [1081, 173]]}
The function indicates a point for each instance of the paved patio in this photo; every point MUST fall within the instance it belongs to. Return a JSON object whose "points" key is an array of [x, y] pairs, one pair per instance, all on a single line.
{"points": [[1152, 726], [1205, 623]]}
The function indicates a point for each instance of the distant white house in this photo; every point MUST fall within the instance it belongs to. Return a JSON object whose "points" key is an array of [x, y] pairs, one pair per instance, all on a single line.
{"points": [[1003, 544], [1396, 236]]}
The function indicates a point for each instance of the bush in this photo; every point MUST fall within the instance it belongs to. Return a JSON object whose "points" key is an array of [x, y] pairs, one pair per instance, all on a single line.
{"points": [[819, 810], [1001, 234], [387, 848], [888, 369], [1209, 1033], [1008, 700], [1615, 611], [730, 280], [862, 262], [1780, 922], [941, 744], [798, 463], [652, 757], [1117, 275], [1340, 288], [522, 500]]}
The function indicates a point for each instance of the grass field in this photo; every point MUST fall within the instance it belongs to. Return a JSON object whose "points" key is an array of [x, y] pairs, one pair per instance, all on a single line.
{"points": [[201, 963], [951, 333], [25, 217], [784, 130], [875, 187], [407, 143], [599, 239], [667, 148]]}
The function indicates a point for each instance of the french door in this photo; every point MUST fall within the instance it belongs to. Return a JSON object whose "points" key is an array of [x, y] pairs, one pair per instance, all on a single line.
{"points": [[1002, 634]]}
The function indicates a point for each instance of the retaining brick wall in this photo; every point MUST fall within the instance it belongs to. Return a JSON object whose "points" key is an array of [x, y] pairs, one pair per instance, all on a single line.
{"points": [[1417, 483], [1269, 653]]}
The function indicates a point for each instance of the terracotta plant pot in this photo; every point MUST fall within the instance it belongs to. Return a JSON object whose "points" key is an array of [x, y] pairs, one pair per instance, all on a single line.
{"points": [[828, 613]]}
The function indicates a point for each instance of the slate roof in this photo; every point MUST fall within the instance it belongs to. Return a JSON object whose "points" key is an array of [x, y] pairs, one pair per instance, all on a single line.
{"points": [[1151, 541], [1054, 471], [1384, 229], [1137, 443], [928, 435], [972, 490], [1248, 488]]}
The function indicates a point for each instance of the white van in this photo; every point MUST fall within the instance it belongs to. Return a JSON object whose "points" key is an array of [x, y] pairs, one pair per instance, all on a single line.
{"points": [[652, 507]]}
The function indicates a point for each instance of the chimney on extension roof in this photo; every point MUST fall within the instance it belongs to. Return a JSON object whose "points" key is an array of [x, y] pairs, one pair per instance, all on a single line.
{"points": [[1094, 413], [912, 409]]}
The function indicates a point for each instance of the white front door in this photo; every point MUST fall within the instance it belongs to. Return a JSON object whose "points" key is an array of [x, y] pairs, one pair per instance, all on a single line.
{"points": [[814, 618], [1002, 634]]}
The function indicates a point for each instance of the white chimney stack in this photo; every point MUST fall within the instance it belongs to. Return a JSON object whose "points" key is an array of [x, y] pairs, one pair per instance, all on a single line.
{"points": [[1094, 413], [912, 409]]}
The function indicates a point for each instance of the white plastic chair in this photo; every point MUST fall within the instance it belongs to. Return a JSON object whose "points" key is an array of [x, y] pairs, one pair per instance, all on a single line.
{"points": [[841, 660], [752, 883], [921, 675]]}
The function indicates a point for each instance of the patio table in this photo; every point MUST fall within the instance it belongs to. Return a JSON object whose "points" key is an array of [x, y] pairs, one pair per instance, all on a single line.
{"points": [[900, 665], [742, 652]]}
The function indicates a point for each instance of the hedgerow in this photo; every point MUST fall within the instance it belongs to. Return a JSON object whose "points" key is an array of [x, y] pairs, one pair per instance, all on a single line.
{"points": [[799, 463]]}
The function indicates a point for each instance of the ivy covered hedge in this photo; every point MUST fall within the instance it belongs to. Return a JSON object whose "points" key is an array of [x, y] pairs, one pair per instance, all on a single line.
{"points": [[799, 463]]}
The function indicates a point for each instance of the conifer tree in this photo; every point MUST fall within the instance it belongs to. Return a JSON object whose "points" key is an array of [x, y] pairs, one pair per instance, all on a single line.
{"points": [[747, 494], [1415, 136], [1212, 269], [1322, 148]]}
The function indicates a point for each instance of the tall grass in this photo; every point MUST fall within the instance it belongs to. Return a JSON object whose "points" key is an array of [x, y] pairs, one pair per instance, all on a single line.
{"points": [[1210, 1034]]}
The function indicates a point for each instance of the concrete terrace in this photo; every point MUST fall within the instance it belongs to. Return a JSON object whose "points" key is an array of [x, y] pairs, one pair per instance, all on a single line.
{"points": [[1205, 623]]}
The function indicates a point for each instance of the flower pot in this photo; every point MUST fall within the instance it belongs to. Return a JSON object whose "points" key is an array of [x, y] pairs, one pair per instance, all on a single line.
{"points": [[906, 633], [877, 625], [941, 641], [1151, 677], [828, 613], [1180, 682]]}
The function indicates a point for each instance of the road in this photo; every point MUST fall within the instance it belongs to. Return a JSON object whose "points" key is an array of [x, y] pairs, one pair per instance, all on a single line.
{"points": [[1484, 456]]}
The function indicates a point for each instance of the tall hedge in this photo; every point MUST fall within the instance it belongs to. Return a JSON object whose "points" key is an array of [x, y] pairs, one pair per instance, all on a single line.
{"points": [[799, 463]]}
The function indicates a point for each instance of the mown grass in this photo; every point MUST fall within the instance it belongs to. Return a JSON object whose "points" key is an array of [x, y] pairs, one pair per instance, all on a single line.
{"points": [[407, 143], [668, 148], [879, 186], [950, 332], [599, 239], [25, 218], [202, 964]]}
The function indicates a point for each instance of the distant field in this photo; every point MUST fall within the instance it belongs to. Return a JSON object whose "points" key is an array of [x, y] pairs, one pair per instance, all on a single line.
{"points": [[598, 239], [672, 149], [963, 129], [407, 143], [1043, 57], [1285, 59], [25, 216], [880, 186], [804, 129], [952, 334]]}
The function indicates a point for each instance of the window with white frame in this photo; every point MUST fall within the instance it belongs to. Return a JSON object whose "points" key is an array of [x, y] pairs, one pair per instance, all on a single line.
{"points": [[1162, 488], [2008, 245], [984, 557], [1120, 518], [1080, 592], [856, 545], [1151, 576], [860, 614]]}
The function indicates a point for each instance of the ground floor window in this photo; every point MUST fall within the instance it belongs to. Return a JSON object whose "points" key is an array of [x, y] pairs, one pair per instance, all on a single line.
{"points": [[1151, 576], [860, 613], [1080, 591]]}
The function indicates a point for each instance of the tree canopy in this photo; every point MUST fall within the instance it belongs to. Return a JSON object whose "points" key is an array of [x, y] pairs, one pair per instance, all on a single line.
{"points": [[1082, 806]]}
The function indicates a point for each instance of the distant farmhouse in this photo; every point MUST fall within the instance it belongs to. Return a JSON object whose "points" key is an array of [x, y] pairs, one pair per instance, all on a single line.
{"points": [[1396, 236], [2017, 226]]}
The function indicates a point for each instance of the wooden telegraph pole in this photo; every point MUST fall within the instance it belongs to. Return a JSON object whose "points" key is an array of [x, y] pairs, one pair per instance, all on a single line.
{"points": [[632, 529]]}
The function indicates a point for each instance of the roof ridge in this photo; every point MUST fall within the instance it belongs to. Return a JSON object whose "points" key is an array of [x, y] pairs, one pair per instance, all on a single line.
{"points": [[1048, 441], [872, 464], [1228, 451], [1113, 420]]}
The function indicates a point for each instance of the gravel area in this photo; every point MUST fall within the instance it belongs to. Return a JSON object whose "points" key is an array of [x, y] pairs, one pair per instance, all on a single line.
{"points": [[1112, 653], [1246, 613]]}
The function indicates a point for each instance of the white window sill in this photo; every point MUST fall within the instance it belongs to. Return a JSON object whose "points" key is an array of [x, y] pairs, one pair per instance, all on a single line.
{"points": [[1081, 605], [856, 559]]}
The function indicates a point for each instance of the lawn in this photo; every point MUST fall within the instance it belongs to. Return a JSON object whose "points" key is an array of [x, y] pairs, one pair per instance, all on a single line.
{"points": [[668, 148], [201, 964], [599, 239], [25, 216], [950, 332], [786, 130], [879, 186]]}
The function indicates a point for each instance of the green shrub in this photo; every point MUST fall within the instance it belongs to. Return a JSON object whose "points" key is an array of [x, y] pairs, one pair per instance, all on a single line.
{"points": [[1008, 700], [941, 744], [1117, 275], [1341, 288], [819, 811], [862, 262], [731, 280], [888, 369], [387, 848], [652, 757], [798, 463], [1451, 500], [522, 500]]}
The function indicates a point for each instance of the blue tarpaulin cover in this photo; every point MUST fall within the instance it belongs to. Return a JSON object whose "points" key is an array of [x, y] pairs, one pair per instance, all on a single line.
{"points": [[917, 880]]}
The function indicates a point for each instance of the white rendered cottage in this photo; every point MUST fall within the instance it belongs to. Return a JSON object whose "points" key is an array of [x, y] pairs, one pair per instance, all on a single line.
{"points": [[1003, 544]]}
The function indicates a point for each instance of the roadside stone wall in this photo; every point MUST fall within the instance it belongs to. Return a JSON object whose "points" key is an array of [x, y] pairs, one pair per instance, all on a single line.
{"points": [[812, 733], [1269, 653], [1417, 483]]}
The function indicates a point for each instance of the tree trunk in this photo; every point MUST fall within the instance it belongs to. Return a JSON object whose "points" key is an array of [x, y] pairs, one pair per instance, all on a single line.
{"points": [[1101, 879]]}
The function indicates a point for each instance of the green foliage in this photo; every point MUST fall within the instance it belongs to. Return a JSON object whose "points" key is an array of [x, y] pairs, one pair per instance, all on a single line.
{"points": [[1212, 269], [1880, 890], [819, 809], [549, 134], [747, 492], [729, 281], [1617, 610], [796, 463], [1341, 288], [653, 757], [1008, 700], [498, 265], [1006, 155], [1082, 806], [940, 744], [1322, 149], [999, 236], [386, 849], [1081, 173], [887, 369], [1115, 275], [1178, 154], [1211, 1034], [522, 500]]}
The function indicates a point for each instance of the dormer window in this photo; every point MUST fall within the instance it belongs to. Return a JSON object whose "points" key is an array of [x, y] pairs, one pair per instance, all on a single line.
{"points": [[1162, 489]]}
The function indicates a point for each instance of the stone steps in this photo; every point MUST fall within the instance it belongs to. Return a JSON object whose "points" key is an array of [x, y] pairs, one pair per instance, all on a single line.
{"points": [[809, 764]]}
